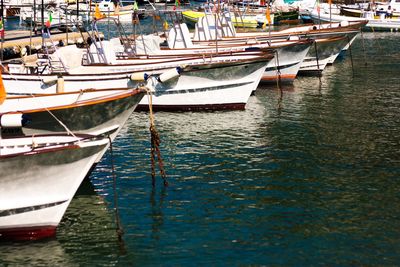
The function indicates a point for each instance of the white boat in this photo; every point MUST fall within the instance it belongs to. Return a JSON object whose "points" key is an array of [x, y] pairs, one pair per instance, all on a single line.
{"points": [[375, 10], [53, 16], [291, 55], [39, 177], [242, 21], [41, 173], [289, 51], [287, 61], [330, 40], [323, 53], [209, 75], [284, 67], [213, 87], [90, 111], [373, 23], [106, 8], [217, 80], [306, 6]]}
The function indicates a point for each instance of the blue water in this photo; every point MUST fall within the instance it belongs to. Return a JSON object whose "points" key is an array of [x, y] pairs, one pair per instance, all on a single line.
{"points": [[309, 176]]}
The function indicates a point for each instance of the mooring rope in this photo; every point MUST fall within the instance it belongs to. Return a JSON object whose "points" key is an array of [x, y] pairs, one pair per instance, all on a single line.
{"points": [[278, 80], [363, 46], [319, 72], [351, 56], [119, 229], [155, 144], [278, 72]]}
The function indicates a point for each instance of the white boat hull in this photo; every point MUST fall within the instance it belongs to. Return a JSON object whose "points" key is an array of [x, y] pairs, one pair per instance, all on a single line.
{"points": [[204, 90], [286, 64], [382, 23], [85, 112], [37, 186], [325, 51], [88, 112]]}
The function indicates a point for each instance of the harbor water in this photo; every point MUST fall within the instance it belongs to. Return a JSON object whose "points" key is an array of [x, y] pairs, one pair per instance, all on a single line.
{"points": [[306, 175]]}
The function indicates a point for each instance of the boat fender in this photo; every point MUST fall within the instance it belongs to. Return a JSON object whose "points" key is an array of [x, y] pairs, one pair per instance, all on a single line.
{"points": [[139, 76], [60, 84], [49, 80], [344, 23], [169, 74], [293, 38], [24, 51], [14, 120]]}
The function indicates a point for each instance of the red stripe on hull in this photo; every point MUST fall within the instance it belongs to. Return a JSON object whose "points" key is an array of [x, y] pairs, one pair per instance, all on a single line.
{"points": [[233, 106], [27, 233]]}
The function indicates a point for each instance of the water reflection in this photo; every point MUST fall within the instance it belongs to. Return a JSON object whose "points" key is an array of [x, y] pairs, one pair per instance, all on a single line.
{"points": [[88, 229], [46, 253], [157, 207], [269, 182], [340, 157]]}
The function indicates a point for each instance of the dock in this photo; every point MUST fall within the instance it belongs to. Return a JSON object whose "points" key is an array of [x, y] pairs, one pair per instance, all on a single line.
{"points": [[18, 42], [23, 38]]}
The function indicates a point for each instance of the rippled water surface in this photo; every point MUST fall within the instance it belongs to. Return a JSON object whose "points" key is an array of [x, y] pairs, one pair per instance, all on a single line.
{"points": [[309, 176]]}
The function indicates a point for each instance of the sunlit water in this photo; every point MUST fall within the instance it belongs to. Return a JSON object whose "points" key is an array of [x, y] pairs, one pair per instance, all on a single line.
{"points": [[309, 176]]}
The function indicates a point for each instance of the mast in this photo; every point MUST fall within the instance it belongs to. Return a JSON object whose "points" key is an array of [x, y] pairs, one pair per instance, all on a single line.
{"points": [[330, 12], [42, 21], [77, 11], [34, 17], [2, 33]]}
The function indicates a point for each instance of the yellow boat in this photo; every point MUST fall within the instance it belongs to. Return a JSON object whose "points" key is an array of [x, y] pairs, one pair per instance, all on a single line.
{"points": [[192, 17]]}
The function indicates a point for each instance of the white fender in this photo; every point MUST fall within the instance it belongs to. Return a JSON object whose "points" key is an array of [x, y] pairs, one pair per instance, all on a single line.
{"points": [[293, 38], [169, 74], [12, 120], [60, 85], [139, 76]]}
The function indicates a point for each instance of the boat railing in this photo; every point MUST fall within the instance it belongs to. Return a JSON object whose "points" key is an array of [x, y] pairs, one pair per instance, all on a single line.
{"points": [[97, 46], [48, 57]]}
